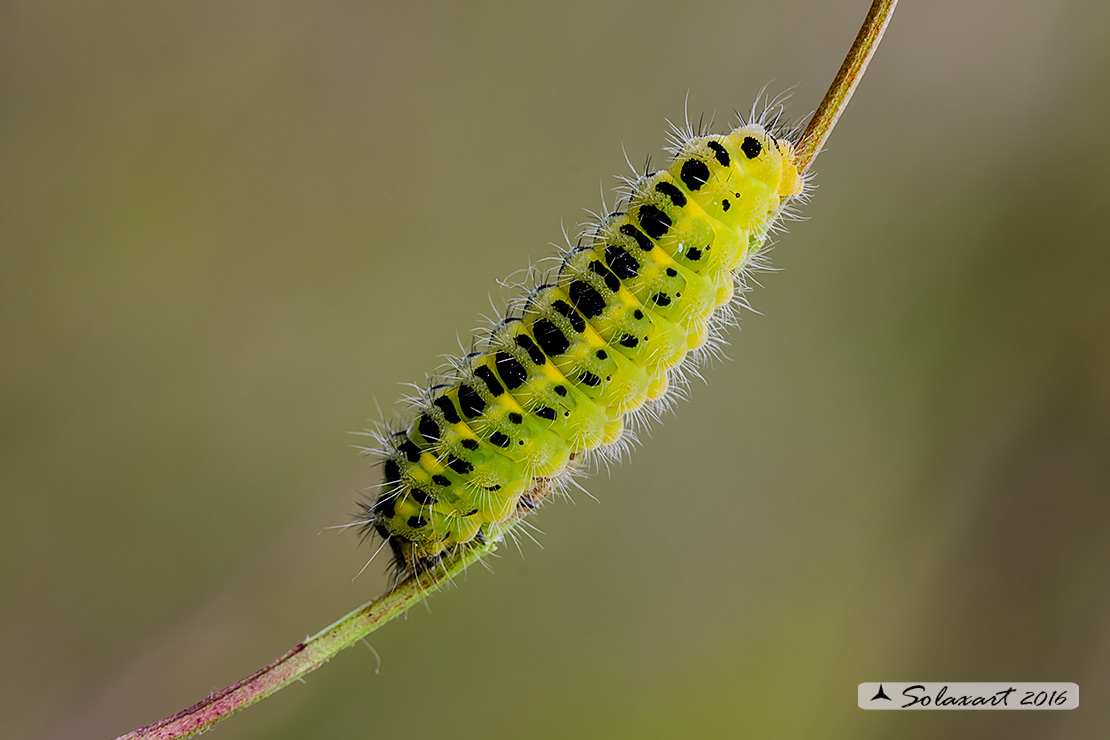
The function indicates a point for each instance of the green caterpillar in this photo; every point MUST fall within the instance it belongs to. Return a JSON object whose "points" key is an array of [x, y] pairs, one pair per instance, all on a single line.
{"points": [[602, 341]]}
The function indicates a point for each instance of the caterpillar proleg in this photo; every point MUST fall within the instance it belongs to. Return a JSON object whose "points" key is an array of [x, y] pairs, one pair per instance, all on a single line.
{"points": [[594, 346]]}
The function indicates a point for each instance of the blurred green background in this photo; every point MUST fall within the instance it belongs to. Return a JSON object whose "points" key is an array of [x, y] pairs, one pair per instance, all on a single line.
{"points": [[229, 229]]}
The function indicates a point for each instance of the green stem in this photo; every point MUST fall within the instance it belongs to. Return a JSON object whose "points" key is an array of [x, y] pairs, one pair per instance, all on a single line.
{"points": [[844, 84], [318, 649], [310, 654]]}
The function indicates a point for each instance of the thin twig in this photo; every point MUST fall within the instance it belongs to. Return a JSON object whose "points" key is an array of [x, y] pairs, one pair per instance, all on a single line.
{"points": [[310, 654], [318, 649], [844, 84]]}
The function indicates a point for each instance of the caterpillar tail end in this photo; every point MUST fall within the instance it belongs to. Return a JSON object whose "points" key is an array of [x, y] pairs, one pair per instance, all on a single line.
{"points": [[793, 182]]}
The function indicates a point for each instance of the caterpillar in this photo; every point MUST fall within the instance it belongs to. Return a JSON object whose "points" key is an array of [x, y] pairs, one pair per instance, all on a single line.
{"points": [[590, 350]]}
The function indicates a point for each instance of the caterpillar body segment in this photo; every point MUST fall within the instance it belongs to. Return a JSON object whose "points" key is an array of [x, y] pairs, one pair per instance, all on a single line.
{"points": [[600, 342]]}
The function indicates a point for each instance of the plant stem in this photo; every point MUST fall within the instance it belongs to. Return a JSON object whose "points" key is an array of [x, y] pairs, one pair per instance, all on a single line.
{"points": [[318, 649], [310, 654], [844, 84]]}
